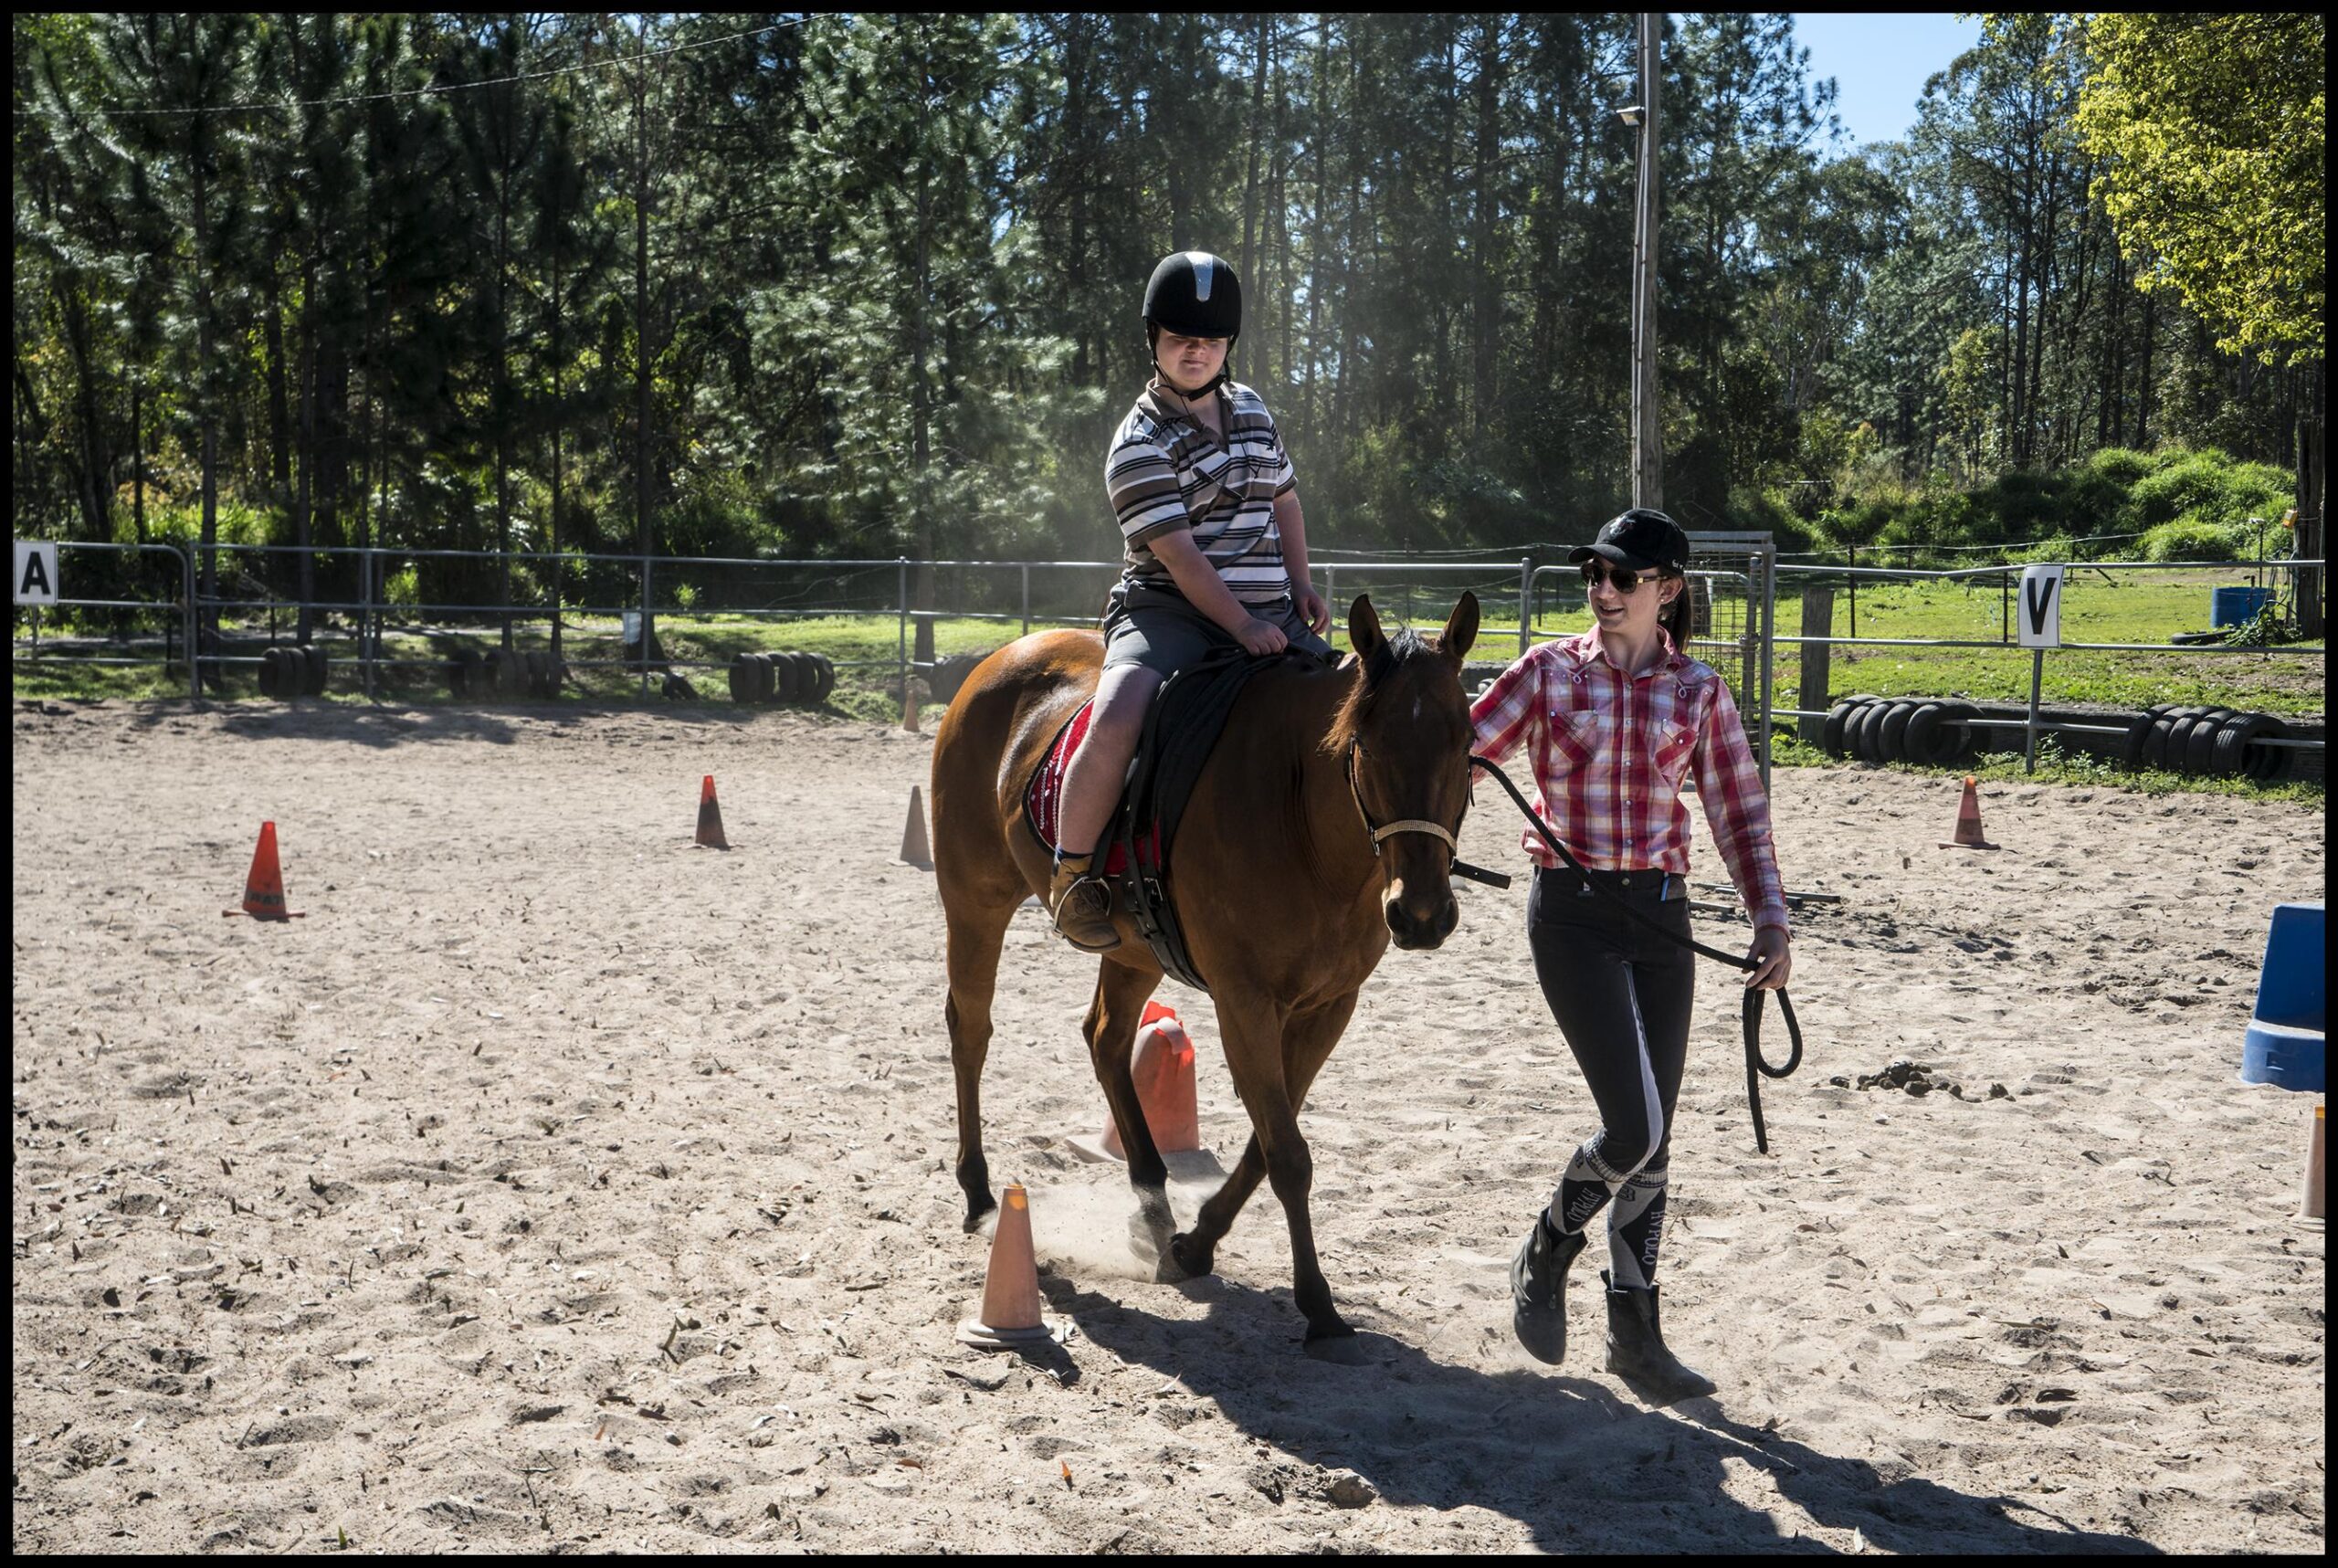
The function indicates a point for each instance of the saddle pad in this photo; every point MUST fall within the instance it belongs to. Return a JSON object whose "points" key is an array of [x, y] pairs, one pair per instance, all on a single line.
{"points": [[1043, 797]]}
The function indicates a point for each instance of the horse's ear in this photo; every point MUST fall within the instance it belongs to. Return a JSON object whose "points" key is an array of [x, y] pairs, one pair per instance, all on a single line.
{"points": [[1364, 630], [1460, 630]]}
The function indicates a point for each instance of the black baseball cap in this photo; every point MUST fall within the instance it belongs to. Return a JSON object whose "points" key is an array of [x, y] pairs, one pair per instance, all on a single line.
{"points": [[1642, 539]]}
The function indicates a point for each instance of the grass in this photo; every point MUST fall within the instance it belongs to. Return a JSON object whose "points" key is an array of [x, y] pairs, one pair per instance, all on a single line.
{"points": [[2099, 607]]}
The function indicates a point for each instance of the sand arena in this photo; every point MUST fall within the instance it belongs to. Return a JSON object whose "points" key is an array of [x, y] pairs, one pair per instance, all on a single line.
{"points": [[557, 1185]]}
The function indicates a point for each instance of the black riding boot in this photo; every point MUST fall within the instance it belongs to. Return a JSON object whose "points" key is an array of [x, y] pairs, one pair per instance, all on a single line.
{"points": [[1635, 1350], [1538, 1289]]}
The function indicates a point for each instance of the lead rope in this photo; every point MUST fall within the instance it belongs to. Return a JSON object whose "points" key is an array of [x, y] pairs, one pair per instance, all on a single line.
{"points": [[1756, 1067]]}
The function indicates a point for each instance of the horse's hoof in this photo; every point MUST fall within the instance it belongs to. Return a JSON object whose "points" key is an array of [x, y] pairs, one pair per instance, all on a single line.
{"points": [[1194, 1259], [1340, 1348], [974, 1212]]}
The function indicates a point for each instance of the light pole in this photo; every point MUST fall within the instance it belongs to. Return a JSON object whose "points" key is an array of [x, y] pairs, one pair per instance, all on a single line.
{"points": [[1648, 435]]}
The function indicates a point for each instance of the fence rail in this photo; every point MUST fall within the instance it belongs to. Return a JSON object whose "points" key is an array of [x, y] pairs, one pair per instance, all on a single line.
{"points": [[1737, 577]]}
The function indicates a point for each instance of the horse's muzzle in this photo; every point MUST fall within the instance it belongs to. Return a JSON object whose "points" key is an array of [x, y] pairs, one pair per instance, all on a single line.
{"points": [[1419, 923]]}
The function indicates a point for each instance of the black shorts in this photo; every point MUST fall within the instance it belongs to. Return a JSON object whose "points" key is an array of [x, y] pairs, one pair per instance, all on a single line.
{"points": [[1165, 632]]}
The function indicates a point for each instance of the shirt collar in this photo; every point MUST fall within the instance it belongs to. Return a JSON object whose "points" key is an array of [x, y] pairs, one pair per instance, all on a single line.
{"points": [[1669, 661], [1151, 402]]}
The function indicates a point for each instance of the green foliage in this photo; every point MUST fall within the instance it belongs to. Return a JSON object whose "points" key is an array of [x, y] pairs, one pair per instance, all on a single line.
{"points": [[2212, 125]]}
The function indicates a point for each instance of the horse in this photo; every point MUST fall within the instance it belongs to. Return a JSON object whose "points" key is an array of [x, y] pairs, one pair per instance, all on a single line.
{"points": [[1321, 829]]}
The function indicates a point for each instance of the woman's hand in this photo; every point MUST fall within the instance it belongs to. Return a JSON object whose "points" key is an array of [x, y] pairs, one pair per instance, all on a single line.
{"points": [[1773, 960], [1261, 637], [1312, 608]]}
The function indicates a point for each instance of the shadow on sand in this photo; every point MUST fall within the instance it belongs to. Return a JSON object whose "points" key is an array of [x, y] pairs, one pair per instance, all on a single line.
{"points": [[1582, 1467]]}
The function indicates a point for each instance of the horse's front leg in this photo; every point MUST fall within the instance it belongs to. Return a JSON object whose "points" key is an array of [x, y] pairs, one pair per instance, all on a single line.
{"points": [[1265, 1055], [1307, 1042], [1122, 990]]}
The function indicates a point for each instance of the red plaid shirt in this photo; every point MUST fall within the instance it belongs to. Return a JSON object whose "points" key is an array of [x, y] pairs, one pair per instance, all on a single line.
{"points": [[1610, 752]]}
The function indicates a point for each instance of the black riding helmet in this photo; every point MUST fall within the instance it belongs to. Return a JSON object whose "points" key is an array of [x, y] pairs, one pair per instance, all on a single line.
{"points": [[1195, 295]]}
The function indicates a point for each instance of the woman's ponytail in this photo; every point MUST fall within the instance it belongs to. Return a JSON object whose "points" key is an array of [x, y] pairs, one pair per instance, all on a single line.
{"points": [[1679, 617]]}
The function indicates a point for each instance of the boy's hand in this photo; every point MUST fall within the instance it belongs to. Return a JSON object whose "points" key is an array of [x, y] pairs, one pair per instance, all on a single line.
{"points": [[1261, 637], [1312, 608]]}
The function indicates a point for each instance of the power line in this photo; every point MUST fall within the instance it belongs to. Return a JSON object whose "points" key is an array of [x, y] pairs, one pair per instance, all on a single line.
{"points": [[632, 60]]}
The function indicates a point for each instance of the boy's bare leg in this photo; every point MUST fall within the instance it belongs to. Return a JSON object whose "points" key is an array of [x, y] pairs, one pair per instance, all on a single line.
{"points": [[1091, 788]]}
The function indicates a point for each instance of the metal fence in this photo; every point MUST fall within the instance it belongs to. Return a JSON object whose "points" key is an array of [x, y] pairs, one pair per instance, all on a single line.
{"points": [[2034, 724], [438, 598]]}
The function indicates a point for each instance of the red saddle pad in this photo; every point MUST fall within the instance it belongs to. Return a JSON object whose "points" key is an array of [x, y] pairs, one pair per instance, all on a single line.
{"points": [[1043, 797]]}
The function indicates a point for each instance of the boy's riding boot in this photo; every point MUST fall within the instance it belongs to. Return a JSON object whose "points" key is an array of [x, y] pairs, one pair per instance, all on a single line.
{"points": [[1083, 905], [1538, 1289], [1635, 1350]]}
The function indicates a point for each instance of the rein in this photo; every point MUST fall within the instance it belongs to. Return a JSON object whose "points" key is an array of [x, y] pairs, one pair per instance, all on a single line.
{"points": [[1756, 1067]]}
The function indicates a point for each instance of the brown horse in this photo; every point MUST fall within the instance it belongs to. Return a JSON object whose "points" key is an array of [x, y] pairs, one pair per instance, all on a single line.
{"points": [[1287, 895]]}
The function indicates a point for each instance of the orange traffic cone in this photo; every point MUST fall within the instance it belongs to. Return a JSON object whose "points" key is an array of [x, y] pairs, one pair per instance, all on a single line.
{"points": [[264, 884], [710, 817], [1163, 1066], [1968, 821], [915, 851], [1011, 1315]]}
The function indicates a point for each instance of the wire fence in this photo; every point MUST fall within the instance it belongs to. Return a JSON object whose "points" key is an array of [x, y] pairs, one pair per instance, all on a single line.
{"points": [[399, 614]]}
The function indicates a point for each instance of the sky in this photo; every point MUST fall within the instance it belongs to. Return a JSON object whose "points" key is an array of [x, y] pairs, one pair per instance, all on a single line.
{"points": [[1879, 61]]}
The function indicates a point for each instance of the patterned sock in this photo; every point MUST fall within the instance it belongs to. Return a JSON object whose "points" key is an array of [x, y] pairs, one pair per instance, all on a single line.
{"points": [[1635, 1228], [1584, 1190]]}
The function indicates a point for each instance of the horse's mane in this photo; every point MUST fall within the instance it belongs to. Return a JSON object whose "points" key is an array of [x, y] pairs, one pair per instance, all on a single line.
{"points": [[1399, 650]]}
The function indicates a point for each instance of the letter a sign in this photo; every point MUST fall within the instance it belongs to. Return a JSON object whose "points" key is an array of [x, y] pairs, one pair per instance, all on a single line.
{"points": [[2042, 607], [36, 571]]}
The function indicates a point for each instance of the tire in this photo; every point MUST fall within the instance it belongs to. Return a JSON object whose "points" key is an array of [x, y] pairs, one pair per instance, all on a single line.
{"points": [[1937, 734], [2268, 764], [1830, 732], [1963, 739], [1893, 742], [807, 679], [2164, 735], [315, 670], [511, 676], [2229, 758], [784, 678], [271, 673], [828, 683], [742, 678], [1867, 738], [2139, 732], [2191, 741], [2200, 741]]}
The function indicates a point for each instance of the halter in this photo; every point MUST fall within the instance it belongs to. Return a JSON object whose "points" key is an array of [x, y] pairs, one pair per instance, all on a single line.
{"points": [[1409, 824]]}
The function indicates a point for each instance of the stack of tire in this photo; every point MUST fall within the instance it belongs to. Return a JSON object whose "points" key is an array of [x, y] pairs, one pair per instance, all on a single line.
{"points": [[513, 673], [805, 679], [290, 672], [2209, 743], [1922, 730]]}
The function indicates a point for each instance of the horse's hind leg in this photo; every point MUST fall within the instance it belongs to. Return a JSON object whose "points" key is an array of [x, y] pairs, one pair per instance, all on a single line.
{"points": [[976, 934], [1122, 990]]}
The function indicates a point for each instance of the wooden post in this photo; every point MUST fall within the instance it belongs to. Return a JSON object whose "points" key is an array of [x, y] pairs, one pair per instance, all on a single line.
{"points": [[1818, 621]]}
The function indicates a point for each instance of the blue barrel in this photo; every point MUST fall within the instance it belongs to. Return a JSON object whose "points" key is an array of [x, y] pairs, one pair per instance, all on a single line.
{"points": [[2231, 607]]}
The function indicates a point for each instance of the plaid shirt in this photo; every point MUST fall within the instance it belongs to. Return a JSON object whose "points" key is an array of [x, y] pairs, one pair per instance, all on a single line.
{"points": [[1610, 752]]}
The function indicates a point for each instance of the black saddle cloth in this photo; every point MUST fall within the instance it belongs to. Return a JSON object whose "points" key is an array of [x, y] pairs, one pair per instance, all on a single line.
{"points": [[1181, 731]]}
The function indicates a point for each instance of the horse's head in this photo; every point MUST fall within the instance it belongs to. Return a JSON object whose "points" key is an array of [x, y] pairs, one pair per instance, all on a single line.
{"points": [[1404, 735]]}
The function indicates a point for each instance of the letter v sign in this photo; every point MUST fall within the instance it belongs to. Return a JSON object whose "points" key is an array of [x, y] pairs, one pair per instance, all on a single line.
{"points": [[2042, 607]]}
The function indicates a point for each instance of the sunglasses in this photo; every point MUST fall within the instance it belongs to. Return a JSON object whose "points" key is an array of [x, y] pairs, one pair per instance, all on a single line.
{"points": [[1623, 579]]}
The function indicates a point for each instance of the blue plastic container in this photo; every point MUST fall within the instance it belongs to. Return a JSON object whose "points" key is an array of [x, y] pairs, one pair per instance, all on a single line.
{"points": [[2232, 606], [2285, 1042]]}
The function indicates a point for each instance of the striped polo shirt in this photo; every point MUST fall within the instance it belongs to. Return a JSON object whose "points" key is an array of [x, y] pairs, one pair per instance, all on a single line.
{"points": [[1166, 471]]}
